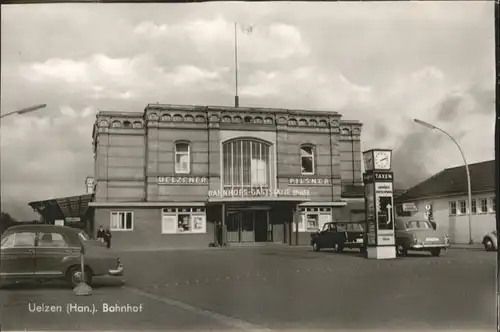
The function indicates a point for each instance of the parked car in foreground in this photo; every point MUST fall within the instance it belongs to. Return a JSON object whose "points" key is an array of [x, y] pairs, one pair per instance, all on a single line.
{"points": [[490, 241], [53, 252], [419, 235], [339, 235]]}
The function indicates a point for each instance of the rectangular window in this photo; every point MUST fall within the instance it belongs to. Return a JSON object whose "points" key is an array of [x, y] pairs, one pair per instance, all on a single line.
{"points": [[474, 206], [247, 173], [483, 205], [122, 221], [183, 220], [453, 208], [312, 222], [492, 205], [182, 158], [226, 151], [238, 174], [307, 160], [313, 219], [462, 207]]}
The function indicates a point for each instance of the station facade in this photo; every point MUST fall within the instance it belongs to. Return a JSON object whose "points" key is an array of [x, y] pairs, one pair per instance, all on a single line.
{"points": [[188, 176]]}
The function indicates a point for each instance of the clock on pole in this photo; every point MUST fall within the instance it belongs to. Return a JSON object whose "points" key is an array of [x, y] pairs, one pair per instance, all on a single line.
{"points": [[378, 181]]}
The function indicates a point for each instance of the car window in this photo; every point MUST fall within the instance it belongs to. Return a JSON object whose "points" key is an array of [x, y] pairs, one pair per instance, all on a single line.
{"points": [[22, 240], [355, 227], [8, 241], [418, 224], [51, 239], [84, 236], [341, 227]]}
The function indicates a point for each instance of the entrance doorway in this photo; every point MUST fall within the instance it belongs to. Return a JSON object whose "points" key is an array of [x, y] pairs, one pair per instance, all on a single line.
{"points": [[247, 226]]}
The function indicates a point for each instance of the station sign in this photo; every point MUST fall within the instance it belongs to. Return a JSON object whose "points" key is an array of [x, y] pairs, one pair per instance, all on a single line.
{"points": [[182, 180], [309, 181], [244, 192]]}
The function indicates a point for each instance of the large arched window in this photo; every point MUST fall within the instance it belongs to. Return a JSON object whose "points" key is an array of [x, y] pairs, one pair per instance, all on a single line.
{"points": [[246, 164]]}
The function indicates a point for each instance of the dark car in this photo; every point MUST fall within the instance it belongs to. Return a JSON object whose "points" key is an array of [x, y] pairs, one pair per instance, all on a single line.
{"points": [[339, 235], [419, 235], [53, 252]]}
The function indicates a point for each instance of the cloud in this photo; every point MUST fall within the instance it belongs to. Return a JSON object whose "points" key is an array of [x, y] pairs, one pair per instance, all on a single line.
{"points": [[448, 108], [275, 41], [103, 77], [45, 156], [328, 90]]}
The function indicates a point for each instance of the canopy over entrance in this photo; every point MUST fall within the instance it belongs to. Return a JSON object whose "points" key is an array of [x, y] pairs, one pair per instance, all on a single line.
{"points": [[74, 210]]}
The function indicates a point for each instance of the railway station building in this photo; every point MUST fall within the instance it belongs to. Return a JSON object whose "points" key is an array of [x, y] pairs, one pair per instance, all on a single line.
{"points": [[188, 176]]}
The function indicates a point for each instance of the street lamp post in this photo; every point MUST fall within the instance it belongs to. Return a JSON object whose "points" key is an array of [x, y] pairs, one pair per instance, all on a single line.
{"points": [[432, 127], [19, 112]]}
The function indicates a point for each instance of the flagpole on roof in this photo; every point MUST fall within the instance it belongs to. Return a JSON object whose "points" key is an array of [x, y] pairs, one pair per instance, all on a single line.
{"points": [[236, 97]]}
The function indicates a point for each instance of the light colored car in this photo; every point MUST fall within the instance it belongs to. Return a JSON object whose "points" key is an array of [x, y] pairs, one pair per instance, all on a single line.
{"points": [[54, 252], [490, 241], [419, 235]]}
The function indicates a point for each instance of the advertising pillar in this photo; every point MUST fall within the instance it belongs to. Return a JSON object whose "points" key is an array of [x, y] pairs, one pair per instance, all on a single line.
{"points": [[379, 205], [379, 215]]}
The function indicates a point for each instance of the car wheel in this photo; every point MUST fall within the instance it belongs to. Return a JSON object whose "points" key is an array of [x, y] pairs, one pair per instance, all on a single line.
{"points": [[488, 244], [316, 247], [74, 276], [401, 250], [436, 252]]}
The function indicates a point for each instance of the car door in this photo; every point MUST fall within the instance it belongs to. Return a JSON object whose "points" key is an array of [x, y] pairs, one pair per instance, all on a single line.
{"points": [[400, 232], [53, 250], [17, 255], [329, 237]]}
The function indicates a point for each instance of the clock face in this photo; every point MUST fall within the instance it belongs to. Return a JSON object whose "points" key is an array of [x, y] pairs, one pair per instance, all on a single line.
{"points": [[382, 159]]}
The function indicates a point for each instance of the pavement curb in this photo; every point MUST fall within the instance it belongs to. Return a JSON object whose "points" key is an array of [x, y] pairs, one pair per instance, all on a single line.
{"points": [[467, 247]]}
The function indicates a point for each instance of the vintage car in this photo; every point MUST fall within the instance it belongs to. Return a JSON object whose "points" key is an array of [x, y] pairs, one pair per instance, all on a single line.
{"points": [[490, 241], [339, 235], [419, 235], [54, 252]]}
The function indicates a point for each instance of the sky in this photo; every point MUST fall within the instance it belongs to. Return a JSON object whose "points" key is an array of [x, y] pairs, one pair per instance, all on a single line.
{"points": [[380, 63]]}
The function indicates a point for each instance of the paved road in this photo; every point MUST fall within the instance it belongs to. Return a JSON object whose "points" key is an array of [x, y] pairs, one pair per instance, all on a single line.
{"points": [[277, 288]]}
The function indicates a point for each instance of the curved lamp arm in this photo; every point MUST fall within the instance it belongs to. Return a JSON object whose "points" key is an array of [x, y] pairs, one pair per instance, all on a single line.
{"points": [[433, 127], [25, 110]]}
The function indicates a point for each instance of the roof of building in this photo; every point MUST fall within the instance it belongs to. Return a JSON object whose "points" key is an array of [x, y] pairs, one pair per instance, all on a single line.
{"points": [[317, 112], [241, 109], [453, 181]]}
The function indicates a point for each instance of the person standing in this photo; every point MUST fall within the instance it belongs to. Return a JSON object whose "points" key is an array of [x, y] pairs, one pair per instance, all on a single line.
{"points": [[100, 234], [107, 238]]}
